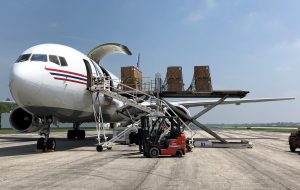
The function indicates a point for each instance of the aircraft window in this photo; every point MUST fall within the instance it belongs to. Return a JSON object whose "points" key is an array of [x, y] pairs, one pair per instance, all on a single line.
{"points": [[39, 57], [54, 59], [23, 57], [63, 61]]}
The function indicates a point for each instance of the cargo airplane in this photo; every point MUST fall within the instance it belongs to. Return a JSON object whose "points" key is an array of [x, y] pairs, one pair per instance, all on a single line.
{"points": [[49, 84]]}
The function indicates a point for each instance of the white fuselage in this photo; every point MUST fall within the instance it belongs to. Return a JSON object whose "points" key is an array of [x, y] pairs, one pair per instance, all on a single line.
{"points": [[46, 87]]}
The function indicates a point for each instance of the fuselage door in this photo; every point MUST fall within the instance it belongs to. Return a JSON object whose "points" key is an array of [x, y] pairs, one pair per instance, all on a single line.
{"points": [[92, 70], [89, 73]]}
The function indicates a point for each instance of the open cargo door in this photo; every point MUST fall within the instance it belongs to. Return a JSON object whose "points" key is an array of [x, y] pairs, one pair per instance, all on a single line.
{"points": [[99, 52], [89, 74]]}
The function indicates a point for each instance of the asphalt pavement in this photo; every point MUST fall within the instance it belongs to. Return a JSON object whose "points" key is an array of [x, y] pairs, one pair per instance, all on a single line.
{"points": [[77, 165]]}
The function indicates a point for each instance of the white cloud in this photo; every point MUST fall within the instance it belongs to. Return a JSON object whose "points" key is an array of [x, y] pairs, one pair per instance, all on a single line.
{"points": [[286, 56], [211, 4], [251, 20], [53, 25], [82, 39], [261, 24], [283, 68], [201, 12], [285, 45], [195, 16]]}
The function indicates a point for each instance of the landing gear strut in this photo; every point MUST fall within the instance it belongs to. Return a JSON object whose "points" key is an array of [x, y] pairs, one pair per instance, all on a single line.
{"points": [[76, 133]]}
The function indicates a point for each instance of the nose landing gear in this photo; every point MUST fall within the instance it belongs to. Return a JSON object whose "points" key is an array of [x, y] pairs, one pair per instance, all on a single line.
{"points": [[46, 144]]}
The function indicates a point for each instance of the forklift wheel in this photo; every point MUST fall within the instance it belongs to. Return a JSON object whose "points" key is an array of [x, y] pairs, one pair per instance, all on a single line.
{"points": [[179, 153], [154, 152]]}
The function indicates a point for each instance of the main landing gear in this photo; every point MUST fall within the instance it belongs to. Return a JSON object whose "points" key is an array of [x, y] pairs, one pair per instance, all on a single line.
{"points": [[76, 133]]}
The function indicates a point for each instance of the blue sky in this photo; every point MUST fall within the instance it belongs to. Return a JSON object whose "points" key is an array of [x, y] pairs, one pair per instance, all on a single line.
{"points": [[249, 45]]}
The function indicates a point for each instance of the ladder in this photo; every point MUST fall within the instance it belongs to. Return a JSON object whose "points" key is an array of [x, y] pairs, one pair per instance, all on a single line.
{"points": [[108, 144], [104, 85]]}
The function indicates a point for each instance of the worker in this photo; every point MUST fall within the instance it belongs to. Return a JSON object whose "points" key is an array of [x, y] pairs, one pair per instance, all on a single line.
{"points": [[163, 127]]}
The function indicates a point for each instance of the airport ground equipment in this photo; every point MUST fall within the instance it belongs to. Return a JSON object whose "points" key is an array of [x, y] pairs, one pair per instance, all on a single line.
{"points": [[135, 99], [137, 104], [154, 141], [132, 110], [294, 140]]}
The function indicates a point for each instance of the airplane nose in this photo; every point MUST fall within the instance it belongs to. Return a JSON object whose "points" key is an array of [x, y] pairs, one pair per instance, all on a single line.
{"points": [[24, 82]]}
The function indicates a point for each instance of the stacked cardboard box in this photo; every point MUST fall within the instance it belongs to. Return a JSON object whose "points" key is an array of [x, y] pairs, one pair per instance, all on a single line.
{"points": [[174, 79], [132, 77], [202, 79]]}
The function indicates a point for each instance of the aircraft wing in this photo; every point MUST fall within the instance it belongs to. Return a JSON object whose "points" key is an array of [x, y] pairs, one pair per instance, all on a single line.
{"points": [[10, 102], [103, 50], [197, 103]]}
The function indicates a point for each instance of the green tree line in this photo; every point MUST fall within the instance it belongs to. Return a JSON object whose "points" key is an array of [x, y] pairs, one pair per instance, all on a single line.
{"points": [[4, 108]]}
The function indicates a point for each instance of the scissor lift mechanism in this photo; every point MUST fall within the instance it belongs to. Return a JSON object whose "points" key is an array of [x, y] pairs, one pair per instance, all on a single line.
{"points": [[222, 95], [134, 99]]}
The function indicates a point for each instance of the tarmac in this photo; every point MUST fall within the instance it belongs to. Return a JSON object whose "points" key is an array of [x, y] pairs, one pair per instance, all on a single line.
{"points": [[77, 165]]}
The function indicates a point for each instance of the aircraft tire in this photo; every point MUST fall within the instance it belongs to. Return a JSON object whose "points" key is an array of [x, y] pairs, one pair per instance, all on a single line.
{"points": [[71, 134], [292, 148], [51, 144], [40, 144], [81, 134]]}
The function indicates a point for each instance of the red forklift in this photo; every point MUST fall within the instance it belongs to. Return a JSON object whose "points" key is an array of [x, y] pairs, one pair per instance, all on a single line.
{"points": [[162, 135]]}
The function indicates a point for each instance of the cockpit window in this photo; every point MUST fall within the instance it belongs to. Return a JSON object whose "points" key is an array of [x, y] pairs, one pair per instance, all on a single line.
{"points": [[23, 57], [54, 59], [63, 61], [39, 57]]}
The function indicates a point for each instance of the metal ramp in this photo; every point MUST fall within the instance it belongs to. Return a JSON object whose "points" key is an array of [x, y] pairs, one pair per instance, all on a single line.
{"points": [[127, 102], [104, 85]]}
